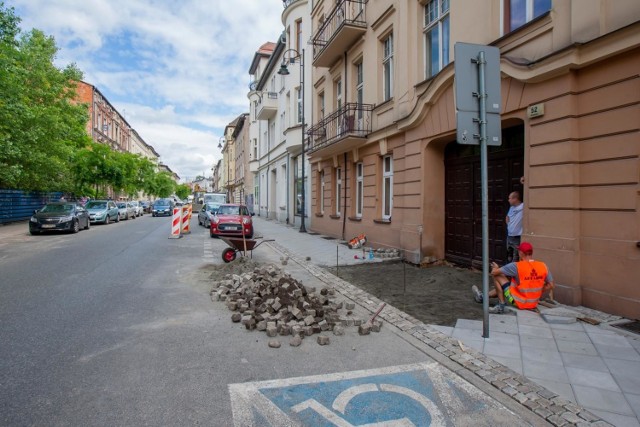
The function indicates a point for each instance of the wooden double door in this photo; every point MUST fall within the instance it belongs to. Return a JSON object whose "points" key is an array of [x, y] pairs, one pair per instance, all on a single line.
{"points": [[463, 202]]}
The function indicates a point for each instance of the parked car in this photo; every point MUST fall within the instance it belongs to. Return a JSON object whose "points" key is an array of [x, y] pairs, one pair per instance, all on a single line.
{"points": [[146, 206], [126, 210], [232, 220], [103, 211], [137, 207], [206, 213], [59, 216], [162, 207]]}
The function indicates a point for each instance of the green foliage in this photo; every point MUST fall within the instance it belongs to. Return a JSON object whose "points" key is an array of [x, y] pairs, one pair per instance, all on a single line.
{"points": [[163, 185], [40, 126], [182, 191]]}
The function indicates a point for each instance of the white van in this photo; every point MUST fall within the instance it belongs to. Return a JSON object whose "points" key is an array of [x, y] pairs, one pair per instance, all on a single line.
{"points": [[215, 198]]}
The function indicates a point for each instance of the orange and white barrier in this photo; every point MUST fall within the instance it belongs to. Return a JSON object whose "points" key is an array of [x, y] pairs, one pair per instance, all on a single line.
{"points": [[186, 216], [176, 223]]}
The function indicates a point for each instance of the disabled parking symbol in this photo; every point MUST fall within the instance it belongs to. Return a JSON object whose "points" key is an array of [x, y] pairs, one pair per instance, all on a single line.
{"points": [[410, 395]]}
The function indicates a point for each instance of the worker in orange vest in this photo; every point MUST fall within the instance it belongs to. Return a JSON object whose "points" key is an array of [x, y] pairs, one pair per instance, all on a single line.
{"points": [[520, 283]]}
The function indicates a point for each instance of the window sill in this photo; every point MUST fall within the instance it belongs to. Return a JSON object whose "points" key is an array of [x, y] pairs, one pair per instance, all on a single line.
{"points": [[319, 215], [334, 216], [382, 221], [355, 218]]}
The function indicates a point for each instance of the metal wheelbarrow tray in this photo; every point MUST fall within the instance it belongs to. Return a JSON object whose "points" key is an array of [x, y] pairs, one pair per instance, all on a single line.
{"points": [[238, 245]]}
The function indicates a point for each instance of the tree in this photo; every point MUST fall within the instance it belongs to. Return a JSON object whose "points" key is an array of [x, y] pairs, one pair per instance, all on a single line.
{"points": [[163, 185], [182, 191], [40, 126]]}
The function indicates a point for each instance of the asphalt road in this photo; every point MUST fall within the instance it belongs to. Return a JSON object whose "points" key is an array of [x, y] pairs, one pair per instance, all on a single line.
{"points": [[115, 326]]}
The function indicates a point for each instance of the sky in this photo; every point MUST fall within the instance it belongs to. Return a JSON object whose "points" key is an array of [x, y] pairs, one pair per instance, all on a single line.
{"points": [[178, 71]]}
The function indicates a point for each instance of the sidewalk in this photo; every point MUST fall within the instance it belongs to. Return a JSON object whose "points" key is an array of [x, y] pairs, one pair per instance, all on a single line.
{"points": [[554, 368]]}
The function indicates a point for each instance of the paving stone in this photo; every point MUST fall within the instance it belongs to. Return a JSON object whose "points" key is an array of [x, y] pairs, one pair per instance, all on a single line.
{"points": [[323, 340], [295, 341], [274, 344], [236, 317], [364, 329], [338, 330]]}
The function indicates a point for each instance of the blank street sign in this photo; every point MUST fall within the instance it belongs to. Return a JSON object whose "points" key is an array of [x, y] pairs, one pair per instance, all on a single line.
{"points": [[466, 77], [468, 126]]}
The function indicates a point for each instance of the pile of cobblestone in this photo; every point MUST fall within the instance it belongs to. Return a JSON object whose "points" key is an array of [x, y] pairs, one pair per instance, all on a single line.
{"points": [[271, 300]]}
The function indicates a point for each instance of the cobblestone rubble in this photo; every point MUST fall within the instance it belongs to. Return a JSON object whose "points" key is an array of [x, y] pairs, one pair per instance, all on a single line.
{"points": [[548, 405], [270, 300]]}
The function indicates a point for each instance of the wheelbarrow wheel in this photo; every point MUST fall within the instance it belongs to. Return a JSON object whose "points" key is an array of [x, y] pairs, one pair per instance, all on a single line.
{"points": [[228, 255]]}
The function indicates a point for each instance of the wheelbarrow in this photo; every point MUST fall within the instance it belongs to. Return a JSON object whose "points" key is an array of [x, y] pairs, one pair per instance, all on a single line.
{"points": [[239, 245]]}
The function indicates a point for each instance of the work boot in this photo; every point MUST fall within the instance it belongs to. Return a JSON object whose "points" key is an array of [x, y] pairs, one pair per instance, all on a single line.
{"points": [[497, 309], [477, 295]]}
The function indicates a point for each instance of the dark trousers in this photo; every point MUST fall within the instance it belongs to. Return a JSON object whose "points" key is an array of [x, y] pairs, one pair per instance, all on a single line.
{"points": [[512, 248]]}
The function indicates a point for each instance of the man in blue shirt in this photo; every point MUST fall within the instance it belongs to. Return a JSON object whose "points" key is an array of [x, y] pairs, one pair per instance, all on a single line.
{"points": [[514, 225]]}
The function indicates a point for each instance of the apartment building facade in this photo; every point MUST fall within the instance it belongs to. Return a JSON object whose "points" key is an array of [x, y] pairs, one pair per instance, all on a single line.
{"points": [[383, 155], [281, 73], [105, 125]]}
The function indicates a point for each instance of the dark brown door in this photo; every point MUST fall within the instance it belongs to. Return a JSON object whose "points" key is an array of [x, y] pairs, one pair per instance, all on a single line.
{"points": [[463, 208]]}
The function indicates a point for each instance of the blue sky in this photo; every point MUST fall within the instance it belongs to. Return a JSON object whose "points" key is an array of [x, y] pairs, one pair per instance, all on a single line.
{"points": [[177, 70]]}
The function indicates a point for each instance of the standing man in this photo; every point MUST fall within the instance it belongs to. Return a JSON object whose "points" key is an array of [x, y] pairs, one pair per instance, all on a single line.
{"points": [[514, 225], [530, 279]]}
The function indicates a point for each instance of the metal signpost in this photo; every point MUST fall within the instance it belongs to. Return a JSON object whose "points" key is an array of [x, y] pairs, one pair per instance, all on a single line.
{"points": [[477, 87]]}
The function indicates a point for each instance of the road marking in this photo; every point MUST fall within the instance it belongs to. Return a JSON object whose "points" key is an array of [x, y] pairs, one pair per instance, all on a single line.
{"points": [[424, 394]]}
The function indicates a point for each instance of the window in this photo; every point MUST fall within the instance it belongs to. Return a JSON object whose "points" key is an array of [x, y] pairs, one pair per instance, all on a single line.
{"points": [[299, 105], [255, 110], [299, 182], [387, 187], [519, 12], [338, 189], [321, 105], [338, 90], [359, 91], [387, 66], [436, 36], [299, 35], [254, 155], [321, 196], [359, 189]]}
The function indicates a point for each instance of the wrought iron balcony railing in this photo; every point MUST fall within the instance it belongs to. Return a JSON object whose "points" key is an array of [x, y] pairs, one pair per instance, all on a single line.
{"points": [[346, 12], [351, 120]]}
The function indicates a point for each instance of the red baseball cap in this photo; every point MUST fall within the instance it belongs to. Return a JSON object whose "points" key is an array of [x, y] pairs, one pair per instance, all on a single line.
{"points": [[525, 247]]}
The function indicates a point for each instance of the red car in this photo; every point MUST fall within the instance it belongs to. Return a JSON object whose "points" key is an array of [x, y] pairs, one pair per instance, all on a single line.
{"points": [[232, 220]]}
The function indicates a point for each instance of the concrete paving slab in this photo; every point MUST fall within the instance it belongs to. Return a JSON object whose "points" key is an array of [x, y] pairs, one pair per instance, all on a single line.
{"points": [[624, 353], [589, 378], [566, 335], [617, 419], [593, 363], [502, 324], [602, 400], [542, 357], [577, 347], [578, 326], [535, 331], [552, 372], [541, 343], [469, 324], [447, 330], [514, 364], [634, 402], [503, 349]]}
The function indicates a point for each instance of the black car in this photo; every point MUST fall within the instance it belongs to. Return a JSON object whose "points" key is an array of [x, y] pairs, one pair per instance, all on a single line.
{"points": [[162, 207], [60, 216]]}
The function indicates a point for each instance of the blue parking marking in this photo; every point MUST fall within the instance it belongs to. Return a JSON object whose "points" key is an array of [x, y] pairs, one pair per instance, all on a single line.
{"points": [[424, 394]]}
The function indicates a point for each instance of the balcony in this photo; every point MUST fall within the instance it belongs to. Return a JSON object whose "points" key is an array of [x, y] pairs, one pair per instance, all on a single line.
{"points": [[254, 165], [293, 138], [267, 106], [344, 25], [341, 131]]}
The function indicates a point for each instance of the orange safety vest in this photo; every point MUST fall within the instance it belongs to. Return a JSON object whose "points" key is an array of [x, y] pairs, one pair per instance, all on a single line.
{"points": [[532, 275]]}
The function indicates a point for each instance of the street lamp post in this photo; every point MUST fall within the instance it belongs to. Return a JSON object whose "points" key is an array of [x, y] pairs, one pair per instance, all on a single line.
{"points": [[221, 146], [284, 72]]}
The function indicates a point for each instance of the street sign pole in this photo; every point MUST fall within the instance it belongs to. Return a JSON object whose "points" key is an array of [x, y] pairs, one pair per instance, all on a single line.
{"points": [[477, 69], [482, 101]]}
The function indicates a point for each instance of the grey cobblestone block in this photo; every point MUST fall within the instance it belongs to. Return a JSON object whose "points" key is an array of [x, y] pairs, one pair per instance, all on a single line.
{"points": [[509, 391], [588, 416], [543, 412], [557, 420], [236, 317], [272, 330], [364, 329], [274, 344], [338, 330], [295, 341], [571, 417], [323, 340]]}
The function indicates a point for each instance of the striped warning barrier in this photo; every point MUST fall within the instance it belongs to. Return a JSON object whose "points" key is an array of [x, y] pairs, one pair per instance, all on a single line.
{"points": [[185, 220], [176, 223]]}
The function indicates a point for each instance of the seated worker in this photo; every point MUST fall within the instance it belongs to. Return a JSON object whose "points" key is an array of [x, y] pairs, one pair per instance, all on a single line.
{"points": [[529, 280]]}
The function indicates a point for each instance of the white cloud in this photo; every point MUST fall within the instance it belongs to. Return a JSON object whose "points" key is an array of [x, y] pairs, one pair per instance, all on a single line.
{"points": [[177, 70]]}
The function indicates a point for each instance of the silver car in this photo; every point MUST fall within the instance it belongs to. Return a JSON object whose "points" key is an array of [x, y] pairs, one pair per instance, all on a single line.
{"points": [[137, 207], [103, 211], [126, 210], [206, 213]]}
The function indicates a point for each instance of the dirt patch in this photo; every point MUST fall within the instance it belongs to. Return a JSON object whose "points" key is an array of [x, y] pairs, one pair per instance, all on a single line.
{"points": [[435, 295]]}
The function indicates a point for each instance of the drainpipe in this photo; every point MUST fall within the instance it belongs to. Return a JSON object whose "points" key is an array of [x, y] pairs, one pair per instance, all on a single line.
{"points": [[288, 187]]}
